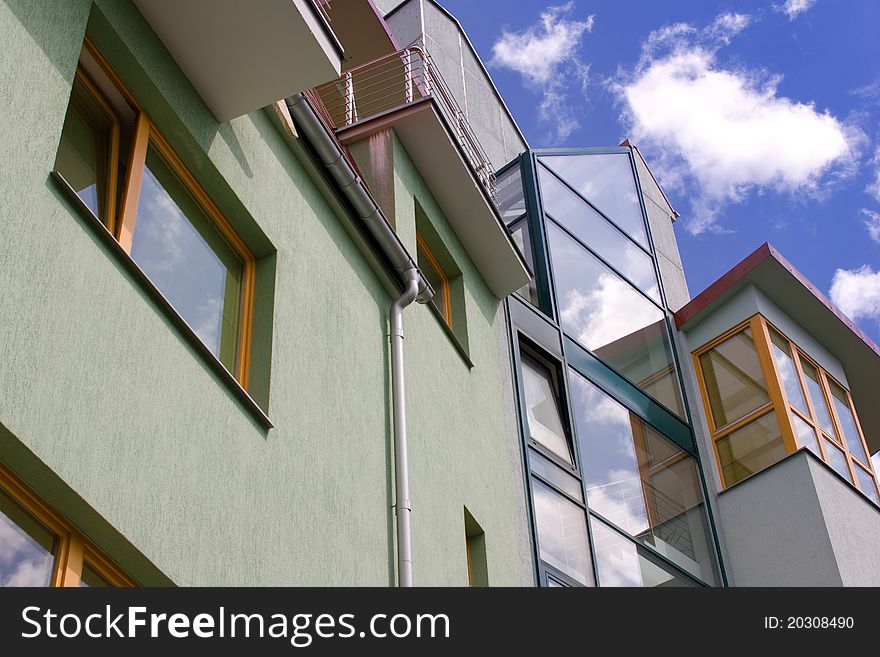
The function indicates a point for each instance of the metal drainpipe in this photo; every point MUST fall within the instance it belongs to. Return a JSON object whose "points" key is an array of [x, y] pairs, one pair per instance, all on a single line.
{"points": [[416, 287], [403, 508]]}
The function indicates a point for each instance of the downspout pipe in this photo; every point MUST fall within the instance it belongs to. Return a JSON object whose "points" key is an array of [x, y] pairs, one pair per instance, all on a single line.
{"points": [[415, 288]]}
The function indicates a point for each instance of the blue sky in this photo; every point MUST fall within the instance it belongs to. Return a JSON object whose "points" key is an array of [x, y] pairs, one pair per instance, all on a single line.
{"points": [[761, 119]]}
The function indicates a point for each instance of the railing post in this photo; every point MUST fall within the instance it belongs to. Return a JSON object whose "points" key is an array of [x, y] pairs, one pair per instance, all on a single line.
{"points": [[408, 72], [350, 107]]}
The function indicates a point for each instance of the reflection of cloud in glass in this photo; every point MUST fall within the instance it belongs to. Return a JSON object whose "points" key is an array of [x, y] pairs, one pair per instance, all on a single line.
{"points": [[620, 499], [23, 562], [562, 533]]}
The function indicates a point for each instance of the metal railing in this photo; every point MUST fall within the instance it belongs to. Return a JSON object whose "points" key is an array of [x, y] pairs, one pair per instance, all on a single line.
{"points": [[392, 82], [323, 7]]}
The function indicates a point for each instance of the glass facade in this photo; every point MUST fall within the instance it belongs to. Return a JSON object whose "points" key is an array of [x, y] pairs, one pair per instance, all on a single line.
{"points": [[615, 484]]}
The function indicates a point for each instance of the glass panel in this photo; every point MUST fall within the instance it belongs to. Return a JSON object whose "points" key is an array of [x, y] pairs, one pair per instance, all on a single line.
{"points": [[605, 180], [511, 201], [788, 372], [562, 533], [640, 480], [806, 435], [837, 460], [608, 316], [734, 381], [91, 578], [83, 157], [542, 405], [866, 484], [817, 397], [436, 279], [621, 564], [554, 584], [594, 231], [184, 254], [520, 234], [555, 475], [847, 422], [751, 448], [27, 548]]}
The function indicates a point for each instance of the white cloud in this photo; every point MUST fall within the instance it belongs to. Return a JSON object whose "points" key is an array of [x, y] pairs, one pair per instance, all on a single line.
{"points": [[874, 187], [725, 132], [545, 55], [872, 223], [857, 292], [792, 8]]}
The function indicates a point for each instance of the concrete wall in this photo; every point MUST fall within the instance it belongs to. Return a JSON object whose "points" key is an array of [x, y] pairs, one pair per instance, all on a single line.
{"points": [[113, 416], [423, 22], [798, 524]]}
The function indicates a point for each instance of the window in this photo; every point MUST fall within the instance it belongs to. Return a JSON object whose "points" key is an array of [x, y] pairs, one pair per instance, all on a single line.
{"points": [[543, 411], [436, 277], [121, 167], [766, 398], [38, 548]]}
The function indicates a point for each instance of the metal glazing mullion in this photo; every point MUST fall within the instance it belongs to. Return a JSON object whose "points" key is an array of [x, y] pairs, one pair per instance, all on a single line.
{"points": [[540, 250]]}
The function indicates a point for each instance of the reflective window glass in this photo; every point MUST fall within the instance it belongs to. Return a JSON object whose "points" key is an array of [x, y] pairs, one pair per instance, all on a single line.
{"points": [[542, 404], [837, 460], [594, 231], [184, 254], [91, 578], [562, 533], [847, 422], [806, 435], [621, 564], [866, 483], [640, 480], [606, 181], [608, 316], [734, 381], [788, 372], [818, 397], [750, 449], [552, 473], [27, 548], [520, 233], [511, 201]]}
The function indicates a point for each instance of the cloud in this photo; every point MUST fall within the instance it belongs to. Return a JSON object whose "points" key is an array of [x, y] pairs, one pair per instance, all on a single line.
{"points": [[872, 223], [873, 187], [792, 8], [724, 132], [857, 292], [545, 55]]}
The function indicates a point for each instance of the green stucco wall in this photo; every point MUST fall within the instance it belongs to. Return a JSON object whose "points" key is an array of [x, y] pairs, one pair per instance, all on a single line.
{"points": [[143, 438]]}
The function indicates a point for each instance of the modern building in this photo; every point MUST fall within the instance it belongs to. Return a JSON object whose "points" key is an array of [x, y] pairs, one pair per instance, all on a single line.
{"points": [[289, 300]]}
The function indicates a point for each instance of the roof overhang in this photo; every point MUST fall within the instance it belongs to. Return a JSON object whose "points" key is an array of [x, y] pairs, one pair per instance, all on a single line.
{"points": [[463, 200], [242, 56], [362, 31], [796, 296]]}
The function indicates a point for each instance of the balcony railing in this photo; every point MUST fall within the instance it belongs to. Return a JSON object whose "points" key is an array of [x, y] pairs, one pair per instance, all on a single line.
{"points": [[395, 81]]}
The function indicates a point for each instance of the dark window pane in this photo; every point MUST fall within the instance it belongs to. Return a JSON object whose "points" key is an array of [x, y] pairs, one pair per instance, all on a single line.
{"points": [[751, 449], [594, 231], [640, 480], [608, 316], [806, 435], [734, 381], [818, 397], [847, 422], [621, 564], [185, 255], [788, 372], [27, 548], [83, 157], [606, 181], [542, 408], [837, 460], [511, 202], [551, 472], [522, 237], [91, 578], [562, 533]]}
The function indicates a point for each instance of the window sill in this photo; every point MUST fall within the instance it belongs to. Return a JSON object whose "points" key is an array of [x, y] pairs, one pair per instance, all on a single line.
{"points": [[140, 278], [459, 347]]}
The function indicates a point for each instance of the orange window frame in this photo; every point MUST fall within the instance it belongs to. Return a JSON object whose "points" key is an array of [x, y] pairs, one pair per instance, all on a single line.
{"points": [[444, 291], [73, 549], [760, 329], [121, 223]]}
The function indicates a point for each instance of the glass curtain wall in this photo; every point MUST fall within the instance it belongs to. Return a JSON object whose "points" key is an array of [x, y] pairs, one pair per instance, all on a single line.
{"points": [[615, 484]]}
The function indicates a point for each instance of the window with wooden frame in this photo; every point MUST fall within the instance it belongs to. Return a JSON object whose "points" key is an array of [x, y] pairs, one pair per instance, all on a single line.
{"points": [[765, 398], [122, 168], [438, 279], [39, 548]]}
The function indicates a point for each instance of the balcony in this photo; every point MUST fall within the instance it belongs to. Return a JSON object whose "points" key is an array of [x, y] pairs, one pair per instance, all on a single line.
{"points": [[392, 83]]}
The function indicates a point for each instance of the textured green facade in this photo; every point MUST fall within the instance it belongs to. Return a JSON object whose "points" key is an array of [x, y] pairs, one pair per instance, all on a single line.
{"points": [[109, 412]]}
